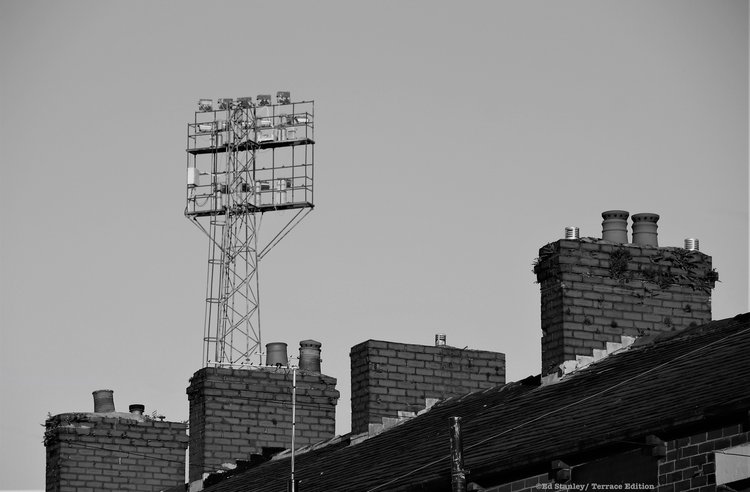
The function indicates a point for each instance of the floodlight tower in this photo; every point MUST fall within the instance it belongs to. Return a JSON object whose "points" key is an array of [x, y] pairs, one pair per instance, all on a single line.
{"points": [[245, 159]]}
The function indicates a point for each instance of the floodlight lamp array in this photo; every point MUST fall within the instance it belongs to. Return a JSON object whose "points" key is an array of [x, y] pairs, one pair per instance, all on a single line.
{"points": [[205, 105], [282, 97]]}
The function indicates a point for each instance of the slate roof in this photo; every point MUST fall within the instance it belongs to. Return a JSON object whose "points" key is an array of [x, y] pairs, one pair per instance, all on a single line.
{"points": [[674, 381]]}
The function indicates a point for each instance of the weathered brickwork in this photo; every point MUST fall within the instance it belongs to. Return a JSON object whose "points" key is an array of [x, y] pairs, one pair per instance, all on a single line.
{"points": [[92, 452], [690, 464], [594, 292], [388, 378], [236, 413]]}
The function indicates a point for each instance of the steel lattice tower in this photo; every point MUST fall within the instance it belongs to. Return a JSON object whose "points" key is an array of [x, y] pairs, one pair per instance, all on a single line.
{"points": [[245, 159]]}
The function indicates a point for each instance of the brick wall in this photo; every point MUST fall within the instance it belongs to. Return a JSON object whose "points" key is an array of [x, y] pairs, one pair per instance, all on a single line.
{"points": [[235, 413], [690, 464], [89, 452], [594, 292], [389, 377]]}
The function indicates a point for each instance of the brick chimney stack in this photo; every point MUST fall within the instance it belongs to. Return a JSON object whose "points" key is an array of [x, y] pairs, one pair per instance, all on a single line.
{"points": [[595, 291], [390, 380], [236, 413], [110, 450]]}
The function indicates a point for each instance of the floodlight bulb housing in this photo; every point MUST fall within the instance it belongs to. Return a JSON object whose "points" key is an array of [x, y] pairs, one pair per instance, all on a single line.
{"points": [[205, 104], [283, 97], [225, 103], [264, 99], [245, 102]]}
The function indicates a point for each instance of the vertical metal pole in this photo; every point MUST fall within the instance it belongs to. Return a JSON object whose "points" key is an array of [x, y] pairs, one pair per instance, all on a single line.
{"points": [[458, 475], [256, 261], [292, 482]]}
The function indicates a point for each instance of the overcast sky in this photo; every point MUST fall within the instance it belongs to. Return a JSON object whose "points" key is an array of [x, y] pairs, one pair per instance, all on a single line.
{"points": [[454, 139]]}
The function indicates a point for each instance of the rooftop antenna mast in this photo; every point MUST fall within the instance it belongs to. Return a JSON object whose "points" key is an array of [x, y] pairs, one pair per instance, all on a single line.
{"points": [[245, 159]]}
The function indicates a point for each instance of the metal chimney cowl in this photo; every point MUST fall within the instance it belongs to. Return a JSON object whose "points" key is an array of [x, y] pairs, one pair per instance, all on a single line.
{"points": [[572, 232], [137, 409]]}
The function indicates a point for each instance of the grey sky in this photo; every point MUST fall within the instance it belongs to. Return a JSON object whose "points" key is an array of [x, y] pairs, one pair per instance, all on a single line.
{"points": [[453, 140]]}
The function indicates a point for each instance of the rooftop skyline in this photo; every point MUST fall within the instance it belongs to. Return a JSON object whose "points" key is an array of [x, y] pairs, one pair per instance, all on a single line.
{"points": [[452, 142]]}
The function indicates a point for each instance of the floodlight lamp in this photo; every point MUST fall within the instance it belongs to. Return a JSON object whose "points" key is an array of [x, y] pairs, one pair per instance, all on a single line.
{"points": [[245, 102], [193, 177], [283, 97], [225, 103], [264, 99], [266, 136], [209, 127], [205, 105]]}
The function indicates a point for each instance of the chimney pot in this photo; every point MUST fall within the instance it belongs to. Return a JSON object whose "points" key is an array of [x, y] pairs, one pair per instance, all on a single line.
{"points": [[137, 409], [440, 340], [276, 354], [692, 244], [104, 401], [615, 226], [644, 229], [571, 233], [309, 355]]}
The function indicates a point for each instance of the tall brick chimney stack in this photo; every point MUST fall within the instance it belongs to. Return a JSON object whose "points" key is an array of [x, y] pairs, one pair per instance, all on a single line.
{"points": [[595, 291], [236, 413]]}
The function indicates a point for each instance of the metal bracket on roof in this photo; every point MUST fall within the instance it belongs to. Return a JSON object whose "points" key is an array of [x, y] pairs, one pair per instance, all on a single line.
{"points": [[559, 471], [655, 447]]}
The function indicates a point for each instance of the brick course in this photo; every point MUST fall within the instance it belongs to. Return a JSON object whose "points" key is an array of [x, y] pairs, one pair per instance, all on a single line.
{"points": [[595, 291], [236, 413], [389, 377], [690, 464], [114, 451]]}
